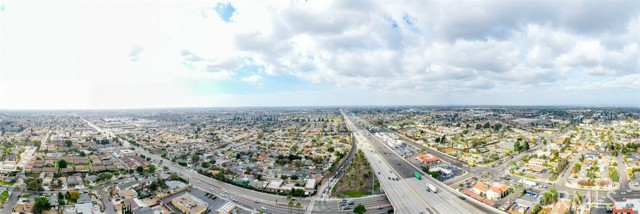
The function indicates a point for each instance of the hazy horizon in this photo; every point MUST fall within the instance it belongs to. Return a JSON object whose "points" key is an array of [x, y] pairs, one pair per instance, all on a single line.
{"points": [[319, 106]]}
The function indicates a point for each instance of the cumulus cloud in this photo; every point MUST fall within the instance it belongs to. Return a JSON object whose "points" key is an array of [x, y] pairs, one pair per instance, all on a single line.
{"points": [[507, 43], [388, 48]]}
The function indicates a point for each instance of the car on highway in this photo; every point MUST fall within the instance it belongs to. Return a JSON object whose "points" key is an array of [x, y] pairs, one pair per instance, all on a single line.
{"points": [[263, 208], [461, 197], [389, 178]]}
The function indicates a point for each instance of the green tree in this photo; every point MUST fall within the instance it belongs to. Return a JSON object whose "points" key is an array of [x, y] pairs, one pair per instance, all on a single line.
{"points": [[73, 195], [205, 164], [537, 209], [359, 209], [68, 143], [139, 169], [105, 176], [613, 174], [516, 146], [153, 186], [42, 204], [34, 184], [152, 168], [425, 169], [62, 164], [526, 145]]}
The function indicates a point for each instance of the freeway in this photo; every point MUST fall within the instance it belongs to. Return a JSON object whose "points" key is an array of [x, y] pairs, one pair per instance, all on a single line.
{"points": [[247, 199], [451, 160], [446, 200]]}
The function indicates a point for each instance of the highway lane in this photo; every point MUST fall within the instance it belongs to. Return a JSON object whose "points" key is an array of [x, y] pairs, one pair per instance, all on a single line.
{"points": [[405, 199], [447, 199], [451, 160], [404, 170]]}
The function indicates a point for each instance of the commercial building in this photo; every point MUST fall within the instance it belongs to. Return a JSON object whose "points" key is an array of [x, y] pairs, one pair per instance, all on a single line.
{"points": [[428, 159], [628, 206], [189, 204], [491, 191]]}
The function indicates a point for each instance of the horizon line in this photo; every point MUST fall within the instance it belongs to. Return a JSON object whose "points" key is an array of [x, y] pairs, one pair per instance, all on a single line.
{"points": [[318, 106]]}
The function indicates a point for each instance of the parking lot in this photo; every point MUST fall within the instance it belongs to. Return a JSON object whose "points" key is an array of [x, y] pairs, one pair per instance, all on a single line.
{"points": [[213, 201]]}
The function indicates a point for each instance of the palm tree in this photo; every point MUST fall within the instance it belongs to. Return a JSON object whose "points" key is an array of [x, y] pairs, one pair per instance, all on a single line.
{"points": [[298, 205], [290, 206], [289, 197]]}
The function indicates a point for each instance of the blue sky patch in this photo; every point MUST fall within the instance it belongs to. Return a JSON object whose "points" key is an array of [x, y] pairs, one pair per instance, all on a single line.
{"points": [[225, 11]]}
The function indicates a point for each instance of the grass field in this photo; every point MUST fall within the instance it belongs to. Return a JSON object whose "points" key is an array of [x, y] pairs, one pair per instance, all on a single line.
{"points": [[4, 196]]}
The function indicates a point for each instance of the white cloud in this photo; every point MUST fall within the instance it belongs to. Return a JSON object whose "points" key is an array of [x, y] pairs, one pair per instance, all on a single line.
{"points": [[388, 48], [254, 78]]}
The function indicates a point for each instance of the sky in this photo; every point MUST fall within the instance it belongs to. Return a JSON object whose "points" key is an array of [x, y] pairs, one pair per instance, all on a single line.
{"points": [[158, 54]]}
